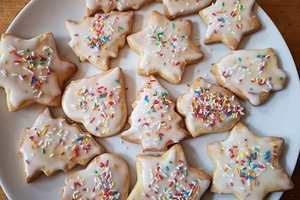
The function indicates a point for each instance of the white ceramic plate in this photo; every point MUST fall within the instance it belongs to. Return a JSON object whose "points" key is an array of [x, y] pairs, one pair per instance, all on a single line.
{"points": [[279, 116]]}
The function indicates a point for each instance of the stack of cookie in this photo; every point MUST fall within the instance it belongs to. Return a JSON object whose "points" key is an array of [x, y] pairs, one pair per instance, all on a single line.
{"points": [[33, 72]]}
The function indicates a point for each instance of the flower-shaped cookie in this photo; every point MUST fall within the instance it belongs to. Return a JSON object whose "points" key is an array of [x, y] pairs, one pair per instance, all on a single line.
{"points": [[32, 71], [105, 178], [154, 122], [228, 21], [107, 6], [178, 8], [250, 74], [98, 102], [53, 144], [98, 39], [168, 177], [247, 165], [208, 108], [165, 47]]}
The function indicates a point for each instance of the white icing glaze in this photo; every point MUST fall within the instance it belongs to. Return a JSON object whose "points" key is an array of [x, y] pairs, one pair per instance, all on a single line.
{"points": [[251, 72], [171, 178], [247, 165], [53, 144], [98, 102], [229, 18], [98, 38], [105, 178], [109, 5], [175, 7], [30, 69], [165, 47], [208, 108], [154, 122]]}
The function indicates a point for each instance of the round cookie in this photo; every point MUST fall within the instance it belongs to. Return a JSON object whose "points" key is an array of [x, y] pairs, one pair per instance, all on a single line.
{"points": [[105, 178], [98, 102], [208, 108], [250, 74]]}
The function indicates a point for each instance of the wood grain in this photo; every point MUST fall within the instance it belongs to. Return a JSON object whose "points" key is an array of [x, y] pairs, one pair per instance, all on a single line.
{"points": [[284, 13]]}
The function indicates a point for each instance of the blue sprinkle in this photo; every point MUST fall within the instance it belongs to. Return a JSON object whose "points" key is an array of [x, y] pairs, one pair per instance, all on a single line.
{"points": [[79, 139]]}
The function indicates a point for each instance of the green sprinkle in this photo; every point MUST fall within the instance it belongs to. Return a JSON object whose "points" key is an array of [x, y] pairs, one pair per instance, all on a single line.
{"points": [[281, 78], [186, 173], [27, 50], [170, 161], [43, 151], [251, 89], [172, 25], [120, 28], [223, 4]]}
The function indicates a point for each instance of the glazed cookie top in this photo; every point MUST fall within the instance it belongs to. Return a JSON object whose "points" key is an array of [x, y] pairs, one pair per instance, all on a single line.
{"points": [[170, 177], [251, 73], [52, 144], [209, 108], [105, 178], [98, 102], [31, 69], [247, 165], [154, 122], [110, 5], [98, 38], [230, 18], [176, 8], [165, 47]]}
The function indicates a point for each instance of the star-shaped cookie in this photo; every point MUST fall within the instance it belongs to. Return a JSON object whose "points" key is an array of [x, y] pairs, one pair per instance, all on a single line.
{"points": [[98, 39], [154, 122], [32, 71], [53, 144], [98, 102], [107, 6], [247, 165], [179, 8], [105, 178], [228, 21], [250, 74], [168, 177], [208, 108], [165, 47]]}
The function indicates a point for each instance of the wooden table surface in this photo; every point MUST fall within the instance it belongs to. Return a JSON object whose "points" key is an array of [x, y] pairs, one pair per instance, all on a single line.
{"points": [[284, 13]]}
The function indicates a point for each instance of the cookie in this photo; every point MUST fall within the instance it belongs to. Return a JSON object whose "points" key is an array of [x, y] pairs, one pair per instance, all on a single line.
{"points": [[165, 47], [98, 102], [250, 74], [208, 108], [179, 8], [107, 6], [228, 21], [105, 178], [98, 39], [154, 122], [247, 165], [168, 177], [52, 144], [32, 71]]}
